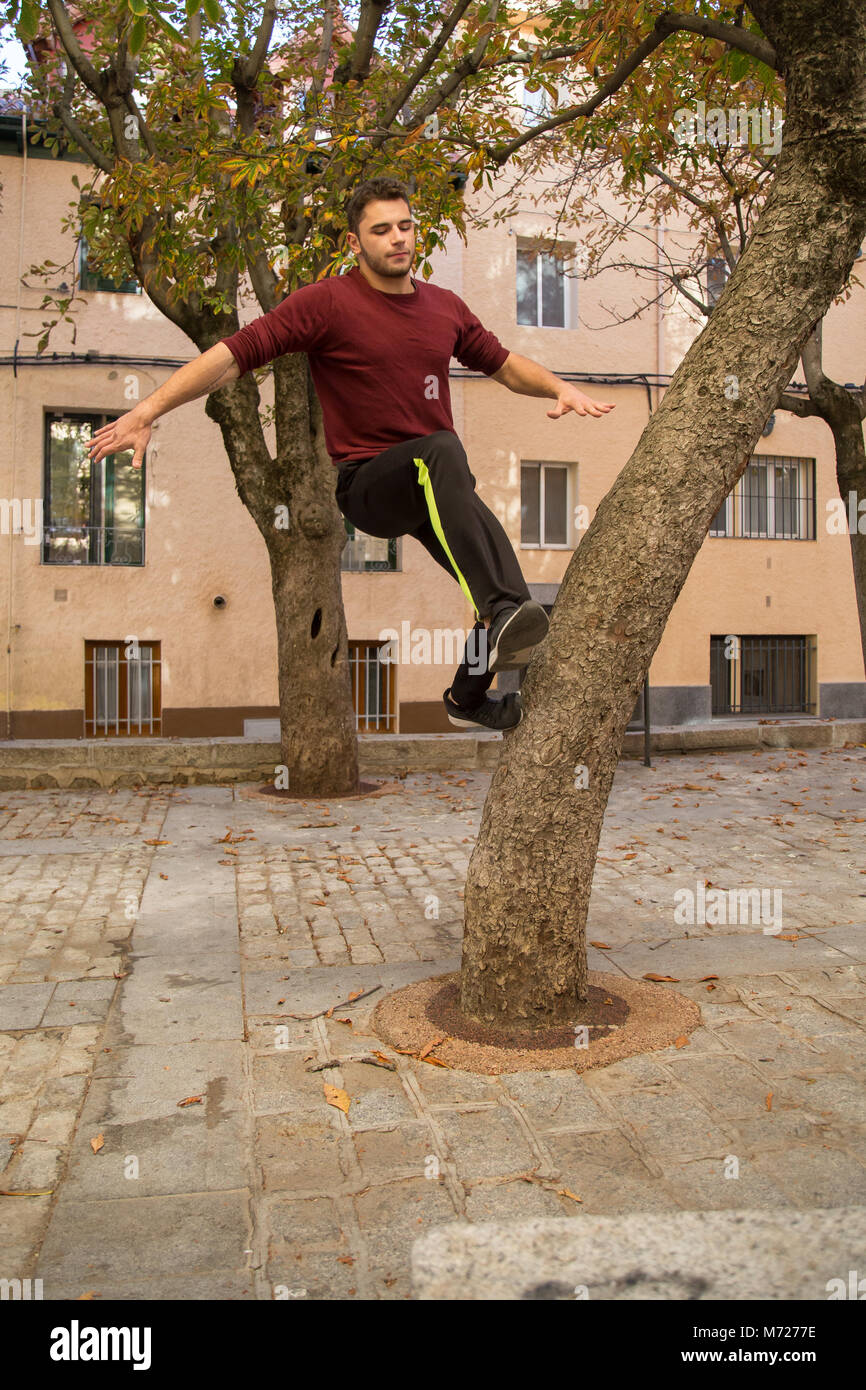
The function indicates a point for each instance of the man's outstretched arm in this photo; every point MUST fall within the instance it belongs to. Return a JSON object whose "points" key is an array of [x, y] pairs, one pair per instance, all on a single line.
{"points": [[529, 378]]}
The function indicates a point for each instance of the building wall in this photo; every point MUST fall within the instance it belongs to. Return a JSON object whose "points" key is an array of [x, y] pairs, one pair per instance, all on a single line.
{"points": [[219, 666]]}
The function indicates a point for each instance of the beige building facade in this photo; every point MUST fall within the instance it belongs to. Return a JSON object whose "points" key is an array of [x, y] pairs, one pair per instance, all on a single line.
{"points": [[142, 604]]}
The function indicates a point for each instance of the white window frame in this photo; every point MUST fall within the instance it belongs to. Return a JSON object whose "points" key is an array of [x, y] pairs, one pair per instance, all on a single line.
{"points": [[568, 282], [570, 503]]}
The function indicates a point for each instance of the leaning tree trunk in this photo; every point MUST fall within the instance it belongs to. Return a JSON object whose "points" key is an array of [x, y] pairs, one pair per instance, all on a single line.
{"points": [[291, 499], [530, 876]]}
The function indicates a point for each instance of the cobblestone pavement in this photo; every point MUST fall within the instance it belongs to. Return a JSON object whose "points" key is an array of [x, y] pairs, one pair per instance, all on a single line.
{"points": [[154, 945]]}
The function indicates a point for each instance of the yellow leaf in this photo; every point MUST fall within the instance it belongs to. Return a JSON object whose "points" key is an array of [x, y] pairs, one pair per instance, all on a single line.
{"points": [[339, 1099]]}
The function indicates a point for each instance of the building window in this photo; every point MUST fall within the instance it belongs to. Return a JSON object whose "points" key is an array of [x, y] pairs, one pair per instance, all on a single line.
{"points": [[122, 689], [94, 513], [543, 297], [89, 280], [762, 675], [773, 500], [544, 505], [374, 687], [362, 552], [718, 271]]}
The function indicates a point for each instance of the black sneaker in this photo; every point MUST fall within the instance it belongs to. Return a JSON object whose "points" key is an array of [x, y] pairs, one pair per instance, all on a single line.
{"points": [[494, 715], [511, 638]]}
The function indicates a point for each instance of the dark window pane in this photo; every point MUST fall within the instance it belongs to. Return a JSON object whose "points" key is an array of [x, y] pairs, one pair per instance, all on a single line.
{"points": [[530, 510], [552, 293], [123, 510], [786, 499], [718, 525], [555, 506], [527, 287], [754, 501]]}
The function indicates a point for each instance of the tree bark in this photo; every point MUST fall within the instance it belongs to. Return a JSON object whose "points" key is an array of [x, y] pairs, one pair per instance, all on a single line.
{"points": [[846, 422], [530, 876], [319, 747]]}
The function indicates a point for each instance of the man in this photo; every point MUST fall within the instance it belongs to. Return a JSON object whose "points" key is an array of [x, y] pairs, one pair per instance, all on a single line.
{"points": [[379, 344]]}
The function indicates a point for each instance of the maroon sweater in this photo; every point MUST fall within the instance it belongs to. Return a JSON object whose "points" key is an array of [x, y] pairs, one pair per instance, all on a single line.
{"points": [[379, 361]]}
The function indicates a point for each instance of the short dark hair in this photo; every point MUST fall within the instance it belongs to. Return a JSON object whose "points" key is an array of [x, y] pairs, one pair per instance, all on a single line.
{"points": [[383, 187]]}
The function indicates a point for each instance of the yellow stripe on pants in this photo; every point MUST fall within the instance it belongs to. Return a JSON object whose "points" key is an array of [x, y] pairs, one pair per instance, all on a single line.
{"points": [[424, 480]]}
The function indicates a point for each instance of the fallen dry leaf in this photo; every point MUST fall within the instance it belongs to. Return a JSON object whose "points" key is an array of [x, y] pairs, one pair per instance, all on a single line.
{"points": [[428, 1047], [600, 945], [339, 1099], [681, 1041], [82, 1296], [674, 980], [567, 1192], [708, 977], [770, 1100], [192, 1100], [37, 1192], [157, 842], [97, 1143]]}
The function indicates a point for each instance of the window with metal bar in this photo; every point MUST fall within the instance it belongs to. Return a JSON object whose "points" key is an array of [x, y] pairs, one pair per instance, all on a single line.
{"points": [[368, 553], [374, 689], [94, 512], [773, 500], [544, 504], [122, 689], [762, 674]]}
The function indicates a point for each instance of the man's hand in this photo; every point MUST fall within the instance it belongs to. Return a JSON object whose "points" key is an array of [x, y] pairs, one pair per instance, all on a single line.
{"points": [[570, 398], [130, 431]]}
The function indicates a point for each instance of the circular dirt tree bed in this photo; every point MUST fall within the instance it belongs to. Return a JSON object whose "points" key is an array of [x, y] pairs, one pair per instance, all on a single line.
{"points": [[620, 1018], [368, 789]]}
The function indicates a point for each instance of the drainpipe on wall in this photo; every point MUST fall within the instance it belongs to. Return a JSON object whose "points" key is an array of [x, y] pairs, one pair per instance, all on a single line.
{"points": [[14, 421], [660, 330]]}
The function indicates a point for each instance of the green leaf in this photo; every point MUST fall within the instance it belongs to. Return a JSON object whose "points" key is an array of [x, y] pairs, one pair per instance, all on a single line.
{"points": [[138, 7], [212, 10], [137, 35], [28, 25]]}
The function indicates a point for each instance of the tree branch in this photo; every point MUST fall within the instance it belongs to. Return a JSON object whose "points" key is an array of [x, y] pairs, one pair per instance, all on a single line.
{"points": [[731, 34], [357, 65], [63, 110], [83, 66], [252, 66], [430, 56]]}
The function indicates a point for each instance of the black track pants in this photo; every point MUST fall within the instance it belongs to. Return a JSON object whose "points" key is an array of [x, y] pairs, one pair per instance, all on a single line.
{"points": [[423, 488]]}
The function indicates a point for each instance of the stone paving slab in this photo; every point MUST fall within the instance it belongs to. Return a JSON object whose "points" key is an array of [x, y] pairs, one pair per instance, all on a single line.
{"points": [[685, 1255], [112, 1247], [696, 956], [763, 1109], [22, 1006]]}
